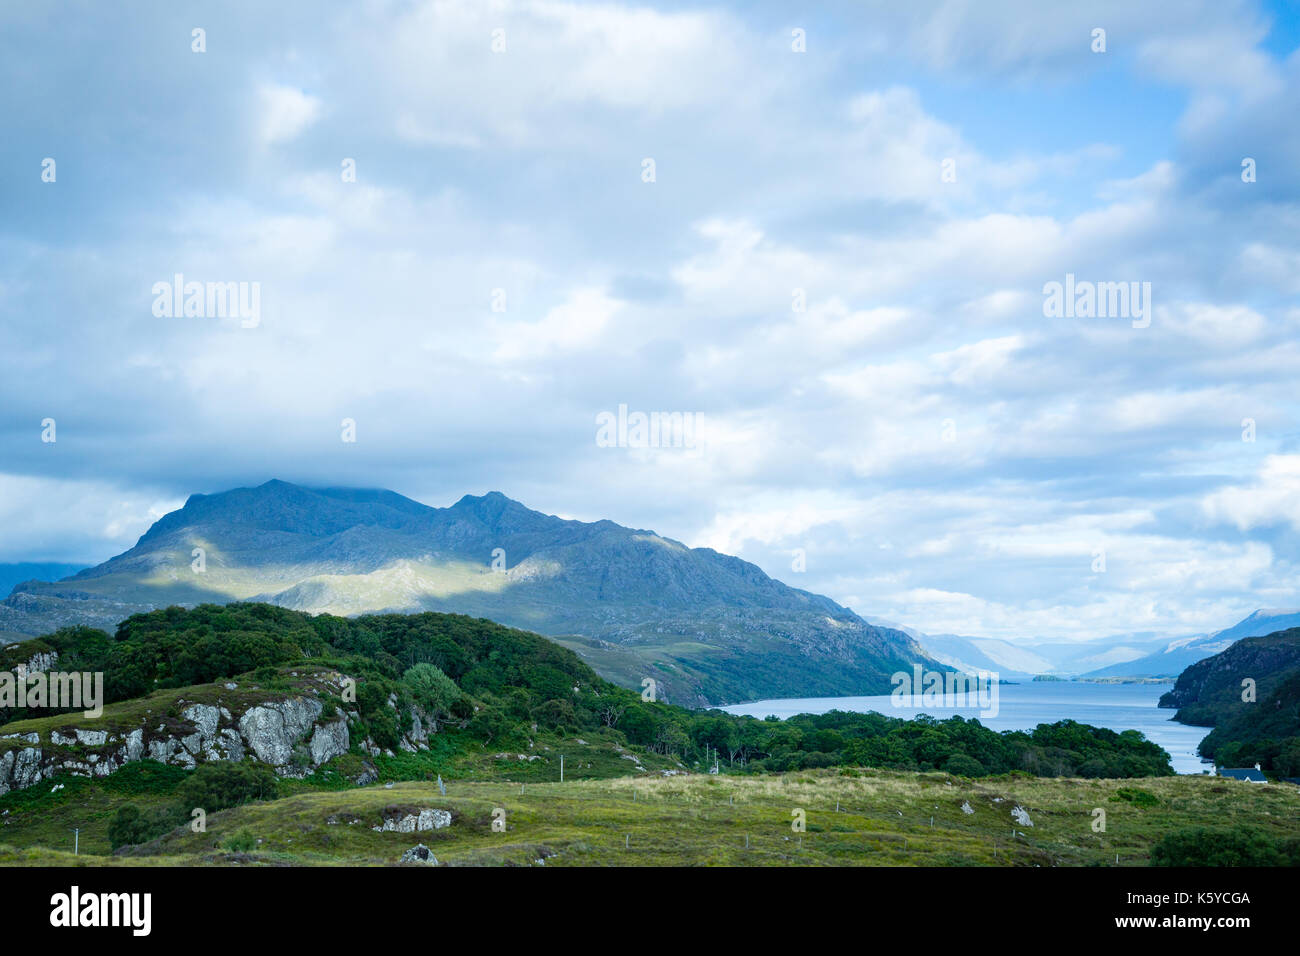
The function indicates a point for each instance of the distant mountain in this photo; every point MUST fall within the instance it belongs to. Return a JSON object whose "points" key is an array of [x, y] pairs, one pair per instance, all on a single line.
{"points": [[12, 575], [707, 627], [971, 654], [1178, 655], [1023, 660]]}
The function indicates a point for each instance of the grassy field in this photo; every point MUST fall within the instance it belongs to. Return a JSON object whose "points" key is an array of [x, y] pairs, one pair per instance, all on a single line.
{"points": [[884, 819]]}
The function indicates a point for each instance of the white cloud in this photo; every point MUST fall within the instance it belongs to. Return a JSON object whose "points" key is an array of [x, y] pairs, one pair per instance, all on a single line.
{"points": [[1271, 500], [72, 521], [285, 113]]}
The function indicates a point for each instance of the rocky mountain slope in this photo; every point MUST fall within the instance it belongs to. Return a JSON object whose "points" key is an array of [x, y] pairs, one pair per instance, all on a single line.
{"points": [[1212, 689], [1250, 695], [706, 627]]}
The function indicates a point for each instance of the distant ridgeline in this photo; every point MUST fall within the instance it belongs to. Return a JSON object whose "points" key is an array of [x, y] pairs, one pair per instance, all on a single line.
{"points": [[242, 681], [1250, 695]]}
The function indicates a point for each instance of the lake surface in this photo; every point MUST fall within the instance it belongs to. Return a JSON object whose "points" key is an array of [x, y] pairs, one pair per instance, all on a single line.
{"points": [[1025, 706]]}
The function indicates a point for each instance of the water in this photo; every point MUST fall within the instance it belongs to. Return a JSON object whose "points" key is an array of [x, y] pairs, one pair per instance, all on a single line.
{"points": [[1025, 706]]}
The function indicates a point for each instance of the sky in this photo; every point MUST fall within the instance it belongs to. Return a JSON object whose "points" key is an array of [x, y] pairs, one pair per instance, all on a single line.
{"points": [[826, 236]]}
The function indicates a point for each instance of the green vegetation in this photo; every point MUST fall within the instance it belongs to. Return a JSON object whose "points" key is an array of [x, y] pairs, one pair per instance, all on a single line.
{"points": [[508, 703], [1216, 846], [1250, 695], [884, 818], [498, 683]]}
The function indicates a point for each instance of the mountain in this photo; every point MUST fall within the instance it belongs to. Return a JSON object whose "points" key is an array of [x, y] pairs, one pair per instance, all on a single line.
{"points": [[1026, 659], [972, 654], [1255, 722], [1178, 655], [707, 627]]}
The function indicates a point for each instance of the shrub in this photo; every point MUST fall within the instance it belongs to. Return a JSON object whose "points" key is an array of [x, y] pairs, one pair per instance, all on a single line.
{"points": [[216, 786], [1205, 846], [960, 765], [130, 826], [1139, 798], [433, 690], [241, 841]]}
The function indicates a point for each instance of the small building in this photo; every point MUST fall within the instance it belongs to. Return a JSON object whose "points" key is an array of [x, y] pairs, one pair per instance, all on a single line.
{"points": [[1250, 775]]}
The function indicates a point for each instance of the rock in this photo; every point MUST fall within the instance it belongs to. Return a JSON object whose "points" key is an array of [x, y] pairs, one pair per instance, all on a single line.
{"points": [[275, 732], [26, 768], [1021, 816], [135, 744], [204, 717], [170, 750], [432, 820], [420, 854], [232, 744], [273, 729], [966, 807], [425, 821], [330, 741]]}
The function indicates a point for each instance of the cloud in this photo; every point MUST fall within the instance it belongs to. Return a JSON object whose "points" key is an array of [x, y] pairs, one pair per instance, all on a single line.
{"points": [[865, 342], [285, 113], [1272, 499]]}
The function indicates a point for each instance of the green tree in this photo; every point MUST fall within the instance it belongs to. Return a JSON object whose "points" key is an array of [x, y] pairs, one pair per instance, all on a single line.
{"points": [[433, 690]]}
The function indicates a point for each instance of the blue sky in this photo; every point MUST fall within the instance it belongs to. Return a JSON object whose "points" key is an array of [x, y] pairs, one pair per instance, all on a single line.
{"points": [[943, 453]]}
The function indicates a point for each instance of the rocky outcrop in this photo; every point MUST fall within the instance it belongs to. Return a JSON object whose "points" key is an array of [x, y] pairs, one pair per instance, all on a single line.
{"points": [[419, 854], [421, 821], [286, 733], [273, 729]]}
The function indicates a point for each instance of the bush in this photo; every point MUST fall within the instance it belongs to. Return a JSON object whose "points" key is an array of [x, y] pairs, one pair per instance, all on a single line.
{"points": [[146, 776], [130, 826], [433, 690], [1204, 846], [960, 765], [241, 841], [1139, 798], [216, 786]]}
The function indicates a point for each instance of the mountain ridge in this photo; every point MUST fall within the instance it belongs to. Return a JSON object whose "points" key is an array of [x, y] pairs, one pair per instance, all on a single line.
{"points": [[707, 627]]}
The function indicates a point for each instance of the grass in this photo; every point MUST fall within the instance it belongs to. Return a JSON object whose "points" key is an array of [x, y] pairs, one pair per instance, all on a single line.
{"points": [[43, 815], [884, 819]]}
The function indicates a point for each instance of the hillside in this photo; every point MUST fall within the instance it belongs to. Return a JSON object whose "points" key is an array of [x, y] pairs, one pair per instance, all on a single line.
{"points": [[1265, 727], [220, 683], [707, 627], [868, 818], [328, 740]]}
